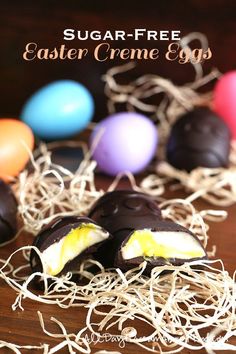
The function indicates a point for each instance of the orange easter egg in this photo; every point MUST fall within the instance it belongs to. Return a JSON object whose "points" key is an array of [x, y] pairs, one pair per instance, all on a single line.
{"points": [[15, 139]]}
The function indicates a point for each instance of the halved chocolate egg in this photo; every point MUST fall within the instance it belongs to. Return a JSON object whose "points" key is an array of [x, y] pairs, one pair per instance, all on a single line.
{"points": [[167, 243], [65, 242]]}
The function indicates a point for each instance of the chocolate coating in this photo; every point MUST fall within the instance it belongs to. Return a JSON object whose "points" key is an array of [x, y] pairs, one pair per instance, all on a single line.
{"points": [[54, 232], [125, 209], [121, 212], [152, 262], [199, 138], [8, 213]]}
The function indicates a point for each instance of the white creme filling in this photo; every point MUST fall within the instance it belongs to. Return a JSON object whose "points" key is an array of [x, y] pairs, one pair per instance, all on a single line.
{"points": [[166, 244], [73, 244]]}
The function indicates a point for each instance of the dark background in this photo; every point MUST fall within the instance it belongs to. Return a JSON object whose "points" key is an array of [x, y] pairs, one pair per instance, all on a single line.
{"points": [[43, 22]]}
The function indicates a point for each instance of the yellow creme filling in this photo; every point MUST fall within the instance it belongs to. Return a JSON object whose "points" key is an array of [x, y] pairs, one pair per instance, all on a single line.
{"points": [[71, 246], [145, 244]]}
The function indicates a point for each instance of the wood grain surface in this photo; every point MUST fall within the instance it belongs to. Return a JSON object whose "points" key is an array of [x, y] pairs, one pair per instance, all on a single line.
{"points": [[22, 327]]}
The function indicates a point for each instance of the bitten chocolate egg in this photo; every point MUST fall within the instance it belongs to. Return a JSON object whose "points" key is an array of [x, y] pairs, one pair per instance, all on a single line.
{"points": [[198, 138], [166, 243], [64, 243], [8, 213], [121, 212]]}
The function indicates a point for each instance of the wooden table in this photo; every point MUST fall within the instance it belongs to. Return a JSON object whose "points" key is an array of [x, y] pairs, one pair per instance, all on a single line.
{"points": [[22, 327]]}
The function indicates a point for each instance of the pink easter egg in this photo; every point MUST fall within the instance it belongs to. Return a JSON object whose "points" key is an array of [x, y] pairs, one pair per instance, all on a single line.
{"points": [[224, 100]]}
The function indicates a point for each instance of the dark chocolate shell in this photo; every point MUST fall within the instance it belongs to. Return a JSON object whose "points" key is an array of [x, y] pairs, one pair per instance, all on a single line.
{"points": [[163, 226], [123, 209], [8, 213], [199, 138], [119, 213]]}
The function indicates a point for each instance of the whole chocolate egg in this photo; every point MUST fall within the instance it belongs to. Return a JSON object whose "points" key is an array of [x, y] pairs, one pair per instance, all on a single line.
{"points": [[128, 209], [198, 138], [8, 213], [120, 212]]}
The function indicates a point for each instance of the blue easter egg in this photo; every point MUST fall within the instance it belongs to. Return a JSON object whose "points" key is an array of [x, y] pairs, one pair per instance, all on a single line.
{"points": [[58, 110]]}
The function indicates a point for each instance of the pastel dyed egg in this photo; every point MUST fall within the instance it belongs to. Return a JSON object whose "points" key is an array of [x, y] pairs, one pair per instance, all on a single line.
{"points": [[59, 110], [224, 101], [16, 141], [124, 141]]}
